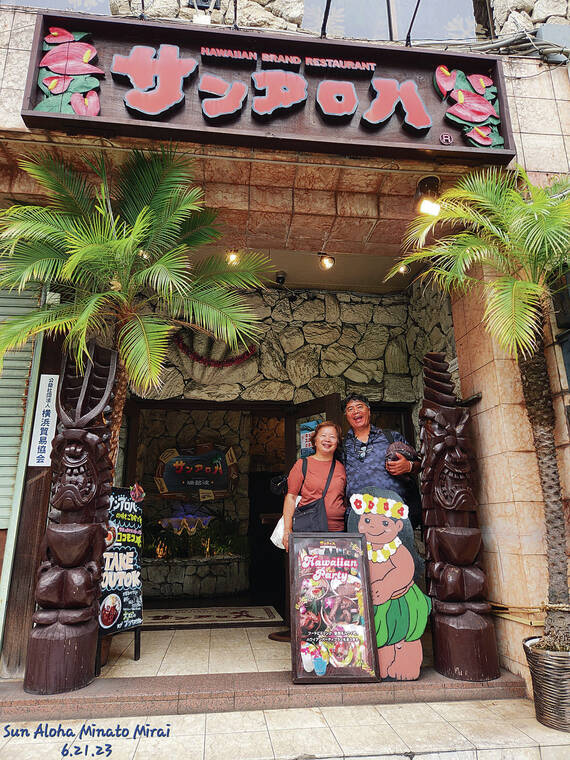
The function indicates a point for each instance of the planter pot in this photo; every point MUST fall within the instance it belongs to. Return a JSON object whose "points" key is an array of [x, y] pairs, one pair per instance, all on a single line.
{"points": [[550, 673]]}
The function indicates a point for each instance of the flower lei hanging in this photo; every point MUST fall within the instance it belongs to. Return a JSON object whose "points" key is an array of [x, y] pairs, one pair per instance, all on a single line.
{"points": [[231, 362]]}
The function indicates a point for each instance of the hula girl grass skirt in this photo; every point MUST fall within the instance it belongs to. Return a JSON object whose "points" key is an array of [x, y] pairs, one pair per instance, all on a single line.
{"points": [[404, 618]]}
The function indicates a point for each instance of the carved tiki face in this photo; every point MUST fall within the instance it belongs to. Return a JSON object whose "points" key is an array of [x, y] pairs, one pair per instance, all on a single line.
{"points": [[447, 471], [75, 471]]}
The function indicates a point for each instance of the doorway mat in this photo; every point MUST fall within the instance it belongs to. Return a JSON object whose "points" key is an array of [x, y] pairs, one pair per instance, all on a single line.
{"points": [[226, 692], [210, 617]]}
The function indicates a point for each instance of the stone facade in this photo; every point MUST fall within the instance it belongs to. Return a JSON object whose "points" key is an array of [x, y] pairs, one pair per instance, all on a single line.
{"points": [[267, 14], [512, 16], [315, 343], [196, 577]]}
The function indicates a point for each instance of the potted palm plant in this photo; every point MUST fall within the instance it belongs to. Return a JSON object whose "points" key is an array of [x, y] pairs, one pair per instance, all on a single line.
{"points": [[520, 234], [118, 251]]}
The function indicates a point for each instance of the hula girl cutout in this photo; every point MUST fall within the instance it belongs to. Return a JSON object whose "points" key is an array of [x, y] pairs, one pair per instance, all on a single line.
{"points": [[401, 609]]}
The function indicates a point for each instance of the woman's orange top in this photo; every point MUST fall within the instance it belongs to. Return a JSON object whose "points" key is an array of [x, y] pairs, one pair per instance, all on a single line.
{"points": [[317, 474]]}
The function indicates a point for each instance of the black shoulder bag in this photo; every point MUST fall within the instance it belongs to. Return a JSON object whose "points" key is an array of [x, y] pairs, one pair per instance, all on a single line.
{"points": [[312, 517]]}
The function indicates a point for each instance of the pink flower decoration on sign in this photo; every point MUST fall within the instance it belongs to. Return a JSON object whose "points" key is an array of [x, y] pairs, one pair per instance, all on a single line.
{"points": [[58, 35], [71, 58], [470, 106], [57, 85], [85, 105], [445, 79], [480, 135], [479, 82]]}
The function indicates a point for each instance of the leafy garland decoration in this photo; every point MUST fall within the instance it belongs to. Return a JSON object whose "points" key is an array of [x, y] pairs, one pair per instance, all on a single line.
{"points": [[66, 75], [219, 363]]}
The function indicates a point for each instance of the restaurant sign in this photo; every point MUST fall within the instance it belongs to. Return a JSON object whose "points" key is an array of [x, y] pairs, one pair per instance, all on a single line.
{"points": [[208, 85]]}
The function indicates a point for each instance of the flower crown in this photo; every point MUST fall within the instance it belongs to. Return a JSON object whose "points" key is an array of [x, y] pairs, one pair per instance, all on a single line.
{"points": [[365, 503]]}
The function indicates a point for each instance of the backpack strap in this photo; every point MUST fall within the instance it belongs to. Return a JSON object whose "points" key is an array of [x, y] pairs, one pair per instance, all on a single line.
{"points": [[331, 473], [389, 436]]}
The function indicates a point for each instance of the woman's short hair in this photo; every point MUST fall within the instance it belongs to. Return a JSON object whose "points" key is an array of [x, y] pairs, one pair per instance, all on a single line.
{"points": [[321, 425]]}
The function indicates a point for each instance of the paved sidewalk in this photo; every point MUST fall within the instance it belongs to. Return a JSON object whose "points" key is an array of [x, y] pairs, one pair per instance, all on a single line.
{"points": [[476, 730]]}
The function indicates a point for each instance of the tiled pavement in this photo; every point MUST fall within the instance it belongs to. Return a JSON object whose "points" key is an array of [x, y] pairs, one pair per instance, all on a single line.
{"points": [[482, 730], [198, 652]]}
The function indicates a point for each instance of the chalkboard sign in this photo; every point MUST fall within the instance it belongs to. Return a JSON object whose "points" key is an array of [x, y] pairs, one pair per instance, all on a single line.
{"points": [[332, 637], [121, 585], [208, 471]]}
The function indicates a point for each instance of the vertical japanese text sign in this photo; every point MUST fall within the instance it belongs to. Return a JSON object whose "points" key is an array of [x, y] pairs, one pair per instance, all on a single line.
{"points": [[45, 421]]}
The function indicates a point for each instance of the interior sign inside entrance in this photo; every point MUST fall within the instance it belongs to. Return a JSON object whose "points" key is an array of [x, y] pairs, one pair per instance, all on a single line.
{"points": [[208, 471], [213, 85]]}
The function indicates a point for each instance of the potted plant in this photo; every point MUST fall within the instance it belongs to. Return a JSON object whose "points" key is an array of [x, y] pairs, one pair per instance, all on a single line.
{"points": [[520, 234]]}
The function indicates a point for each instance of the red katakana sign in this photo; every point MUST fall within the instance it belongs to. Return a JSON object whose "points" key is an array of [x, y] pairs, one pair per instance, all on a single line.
{"points": [[212, 85]]}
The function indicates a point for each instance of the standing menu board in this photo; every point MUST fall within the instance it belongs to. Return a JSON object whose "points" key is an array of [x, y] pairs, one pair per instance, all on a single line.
{"points": [[121, 585], [332, 636]]}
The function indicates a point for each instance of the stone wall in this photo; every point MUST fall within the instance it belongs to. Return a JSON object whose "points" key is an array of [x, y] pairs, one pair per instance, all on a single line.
{"points": [[512, 16], [161, 429], [314, 343], [268, 14], [196, 577], [429, 328]]}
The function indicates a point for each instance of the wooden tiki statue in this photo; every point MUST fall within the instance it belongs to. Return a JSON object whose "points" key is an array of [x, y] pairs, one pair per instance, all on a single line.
{"points": [[63, 641], [464, 641]]}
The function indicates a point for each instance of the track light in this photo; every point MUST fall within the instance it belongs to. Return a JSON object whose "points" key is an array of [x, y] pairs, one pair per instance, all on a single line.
{"points": [[404, 269], [232, 258], [326, 261], [426, 196]]}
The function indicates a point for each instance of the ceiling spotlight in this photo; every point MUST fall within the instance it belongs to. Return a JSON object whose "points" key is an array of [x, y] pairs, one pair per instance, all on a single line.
{"points": [[404, 269], [326, 261], [232, 257], [425, 198]]}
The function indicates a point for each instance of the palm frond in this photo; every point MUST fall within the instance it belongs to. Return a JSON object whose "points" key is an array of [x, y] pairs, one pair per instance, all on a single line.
{"points": [[33, 223], [251, 270], [143, 347], [199, 229], [30, 262], [94, 314], [150, 179], [68, 190], [169, 274], [15, 332], [513, 314], [171, 217], [223, 313]]}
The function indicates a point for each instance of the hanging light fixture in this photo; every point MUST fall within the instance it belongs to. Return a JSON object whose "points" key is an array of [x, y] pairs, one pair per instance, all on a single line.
{"points": [[326, 261], [425, 198]]}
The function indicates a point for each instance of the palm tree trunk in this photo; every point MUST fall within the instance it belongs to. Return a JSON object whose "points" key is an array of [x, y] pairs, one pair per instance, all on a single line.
{"points": [[538, 397], [117, 413]]}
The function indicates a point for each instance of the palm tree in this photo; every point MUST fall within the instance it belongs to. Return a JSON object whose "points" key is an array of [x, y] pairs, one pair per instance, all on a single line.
{"points": [[118, 252], [520, 234]]}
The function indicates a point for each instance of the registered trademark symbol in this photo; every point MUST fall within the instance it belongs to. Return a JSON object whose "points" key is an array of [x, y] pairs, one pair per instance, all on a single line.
{"points": [[446, 139]]}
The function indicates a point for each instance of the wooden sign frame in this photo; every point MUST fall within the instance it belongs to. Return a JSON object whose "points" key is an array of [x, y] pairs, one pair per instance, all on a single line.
{"points": [[338, 129], [332, 631]]}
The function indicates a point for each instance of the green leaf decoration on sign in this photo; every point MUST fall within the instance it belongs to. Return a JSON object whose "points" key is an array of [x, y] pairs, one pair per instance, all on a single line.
{"points": [[56, 104], [462, 83], [81, 35], [83, 83], [42, 74]]}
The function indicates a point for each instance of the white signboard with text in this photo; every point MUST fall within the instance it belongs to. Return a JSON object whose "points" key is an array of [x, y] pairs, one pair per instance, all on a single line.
{"points": [[45, 421]]}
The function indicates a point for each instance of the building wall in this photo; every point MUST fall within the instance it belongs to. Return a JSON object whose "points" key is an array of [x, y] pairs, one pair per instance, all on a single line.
{"points": [[512, 16]]}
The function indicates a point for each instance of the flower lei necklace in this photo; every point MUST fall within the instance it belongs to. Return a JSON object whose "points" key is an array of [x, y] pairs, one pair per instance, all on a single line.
{"points": [[383, 554]]}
